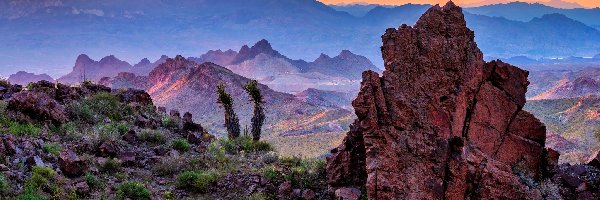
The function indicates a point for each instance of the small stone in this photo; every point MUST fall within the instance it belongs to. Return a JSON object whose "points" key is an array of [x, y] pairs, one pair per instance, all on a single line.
{"points": [[285, 190], [82, 188]]}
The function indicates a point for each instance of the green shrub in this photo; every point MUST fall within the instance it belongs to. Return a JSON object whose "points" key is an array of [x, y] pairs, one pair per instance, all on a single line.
{"points": [[198, 181], [170, 123], [52, 148], [132, 190], [256, 196], [152, 137], [270, 173], [40, 176], [81, 111], [111, 165], [93, 181], [308, 173], [19, 129], [181, 145], [112, 131], [4, 185], [168, 166]]}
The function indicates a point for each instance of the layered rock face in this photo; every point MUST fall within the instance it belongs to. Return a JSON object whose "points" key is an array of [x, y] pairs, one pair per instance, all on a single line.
{"points": [[440, 122]]}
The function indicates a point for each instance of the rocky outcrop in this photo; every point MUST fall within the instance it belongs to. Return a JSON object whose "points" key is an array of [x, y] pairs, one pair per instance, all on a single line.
{"points": [[440, 122], [29, 106]]}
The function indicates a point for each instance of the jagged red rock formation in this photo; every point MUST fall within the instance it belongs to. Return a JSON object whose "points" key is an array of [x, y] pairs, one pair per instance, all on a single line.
{"points": [[441, 122]]}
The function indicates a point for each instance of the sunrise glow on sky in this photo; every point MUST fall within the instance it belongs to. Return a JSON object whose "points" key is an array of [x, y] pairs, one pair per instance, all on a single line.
{"points": [[585, 3]]}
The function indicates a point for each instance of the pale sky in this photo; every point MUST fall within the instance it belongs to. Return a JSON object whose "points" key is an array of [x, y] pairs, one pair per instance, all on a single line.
{"points": [[585, 3]]}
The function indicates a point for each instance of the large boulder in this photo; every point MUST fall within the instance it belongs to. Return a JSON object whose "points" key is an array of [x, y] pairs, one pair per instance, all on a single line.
{"points": [[440, 123], [139, 97], [70, 164], [31, 106]]}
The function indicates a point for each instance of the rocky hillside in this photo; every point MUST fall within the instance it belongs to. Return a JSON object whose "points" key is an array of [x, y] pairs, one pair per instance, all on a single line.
{"points": [[574, 120], [24, 78], [183, 84], [441, 123], [580, 87], [91, 142], [87, 69]]}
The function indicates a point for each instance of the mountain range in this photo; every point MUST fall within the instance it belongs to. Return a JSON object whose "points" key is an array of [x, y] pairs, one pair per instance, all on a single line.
{"points": [[301, 29]]}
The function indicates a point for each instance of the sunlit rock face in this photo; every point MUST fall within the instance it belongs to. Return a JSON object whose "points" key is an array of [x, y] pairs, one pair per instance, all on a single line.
{"points": [[440, 122]]}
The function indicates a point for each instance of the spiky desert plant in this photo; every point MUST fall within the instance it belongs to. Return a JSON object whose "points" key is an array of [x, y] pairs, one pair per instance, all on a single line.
{"points": [[232, 123], [258, 118]]}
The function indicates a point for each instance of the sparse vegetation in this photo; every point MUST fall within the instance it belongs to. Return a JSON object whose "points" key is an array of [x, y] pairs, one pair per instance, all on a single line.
{"points": [[110, 165], [132, 190], [152, 137], [20, 129], [232, 123], [51, 148], [181, 145], [198, 181]]}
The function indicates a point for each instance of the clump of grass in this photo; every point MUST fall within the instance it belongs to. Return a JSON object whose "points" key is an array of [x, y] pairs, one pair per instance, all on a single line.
{"points": [[111, 165], [52, 148], [168, 166], [112, 131], [20, 129], [93, 181], [181, 145], [303, 173], [4, 185], [198, 181], [256, 196], [152, 137], [170, 123], [243, 143], [270, 172], [132, 190], [40, 177]]}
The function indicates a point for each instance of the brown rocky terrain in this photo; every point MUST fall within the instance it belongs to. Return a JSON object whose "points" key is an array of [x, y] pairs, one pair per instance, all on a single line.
{"points": [[441, 123], [91, 142], [582, 86]]}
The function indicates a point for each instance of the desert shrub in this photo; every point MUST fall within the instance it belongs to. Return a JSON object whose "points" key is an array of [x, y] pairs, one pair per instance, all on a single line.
{"points": [[112, 131], [81, 111], [4, 119], [198, 181], [132, 190], [270, 172], [218, 153], [168, 166], [4, 185], [170, 123], [181, 145], [110, 165], [152, 137], [40, 177], [270, 157], [303, 173], [105, 104], [68, 130], [243, 143], [20, 129], [52, 148], [93, 181]]}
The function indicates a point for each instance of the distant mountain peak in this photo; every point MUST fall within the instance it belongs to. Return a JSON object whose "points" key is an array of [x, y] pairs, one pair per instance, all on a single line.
{"points": [[322, 57], [261, 47], [83, 59], [346, 54]]}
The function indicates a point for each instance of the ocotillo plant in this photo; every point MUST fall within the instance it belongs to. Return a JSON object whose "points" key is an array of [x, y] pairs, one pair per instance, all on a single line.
{"points": [[232, 123], [258, 118]]}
